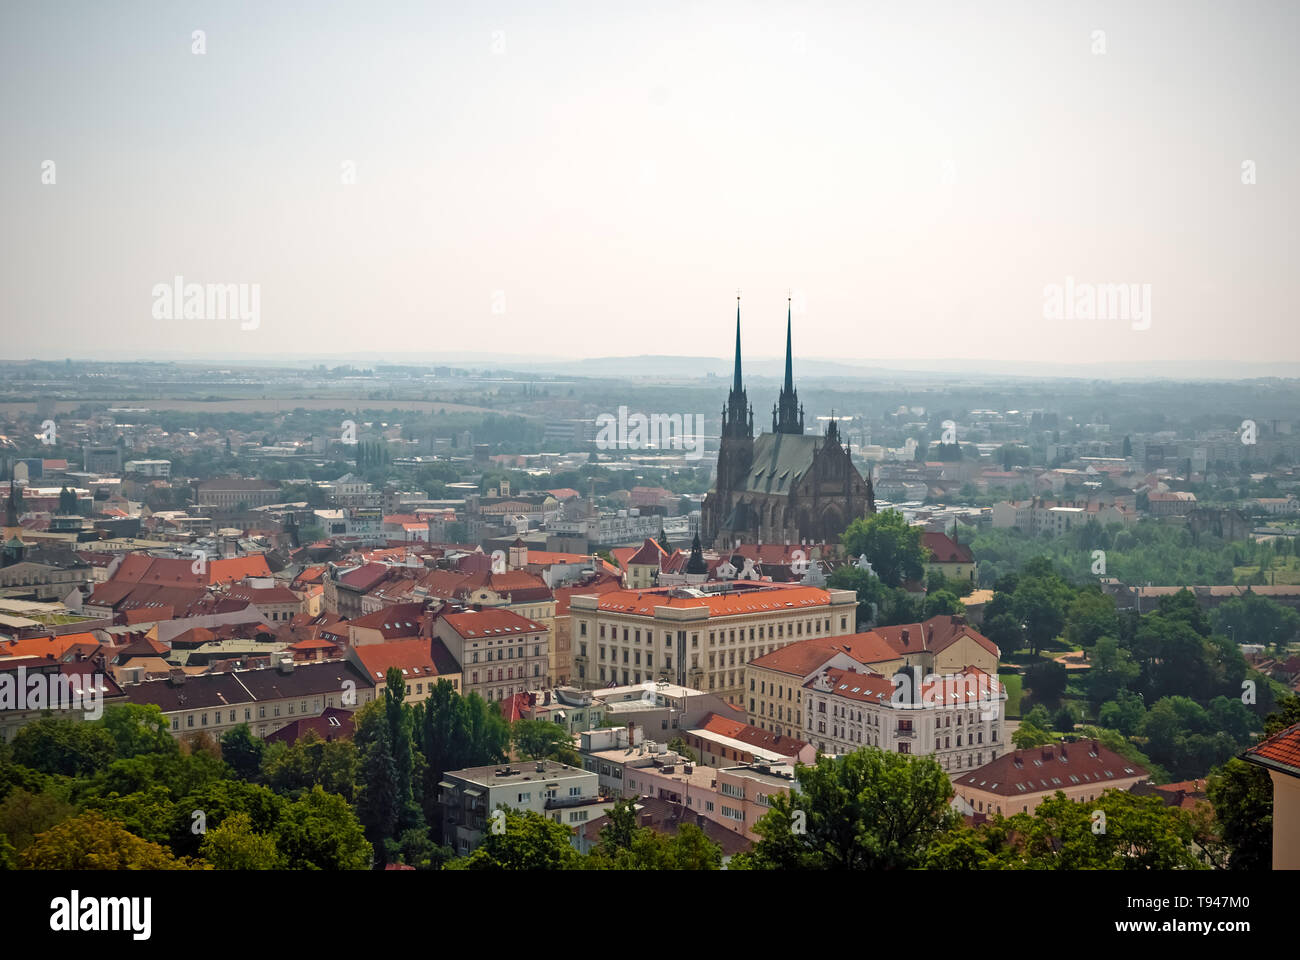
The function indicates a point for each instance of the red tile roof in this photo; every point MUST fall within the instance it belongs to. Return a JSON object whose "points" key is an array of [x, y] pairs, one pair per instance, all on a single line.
{"points": [[601, 583], [57, 647], [473, 624], [649, 555], [1039, 770], [935, 635], [399, 620], [943, 549], [1280, 752], [803, 657], [769, 597], [752, 735], [412, 657]]}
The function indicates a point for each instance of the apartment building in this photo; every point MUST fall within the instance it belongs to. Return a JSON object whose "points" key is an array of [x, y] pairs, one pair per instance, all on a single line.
{"points": [[700, 636], [421, 662], [265, 699], [500, 653], [567, 795], [957, 718], [745, 792], [230, 493], [1018, 781], [774, 682]]}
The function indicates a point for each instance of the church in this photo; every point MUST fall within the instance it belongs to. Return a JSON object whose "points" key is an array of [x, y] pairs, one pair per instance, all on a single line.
{"points": [[785, 486]]}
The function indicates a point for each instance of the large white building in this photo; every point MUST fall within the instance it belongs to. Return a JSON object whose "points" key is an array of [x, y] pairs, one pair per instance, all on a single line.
{"points": [[958, 718], [700, 637]]}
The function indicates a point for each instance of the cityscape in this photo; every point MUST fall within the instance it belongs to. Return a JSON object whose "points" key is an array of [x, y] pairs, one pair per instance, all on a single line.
{"points": [[620, 525]]}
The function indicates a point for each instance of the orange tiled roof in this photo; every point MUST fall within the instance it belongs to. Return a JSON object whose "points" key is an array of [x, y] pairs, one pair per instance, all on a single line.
{"points": [[496, 622], [803, 657], [1280, 752], [771, 598]]}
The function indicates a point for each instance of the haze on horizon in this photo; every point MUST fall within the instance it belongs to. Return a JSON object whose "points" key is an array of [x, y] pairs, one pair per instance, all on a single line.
{"points": [[584, 182]]}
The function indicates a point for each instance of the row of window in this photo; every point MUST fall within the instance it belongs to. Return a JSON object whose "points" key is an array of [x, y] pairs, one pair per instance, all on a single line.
{"points": [[214, 717]]}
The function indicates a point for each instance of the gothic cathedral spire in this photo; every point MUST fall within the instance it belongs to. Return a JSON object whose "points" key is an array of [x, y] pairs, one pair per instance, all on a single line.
{"points": [[788, 415], [738, 417]]}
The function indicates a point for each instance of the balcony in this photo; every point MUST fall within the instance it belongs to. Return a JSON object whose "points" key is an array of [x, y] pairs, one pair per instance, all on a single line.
{"points": [[904, 733]]}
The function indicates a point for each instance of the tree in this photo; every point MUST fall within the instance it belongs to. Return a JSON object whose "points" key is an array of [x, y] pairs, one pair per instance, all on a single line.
{"points": [[138, 729], [1040, 603], [24, 815], [320, 832], [1091, 615], [1125, 713], [529, 842], [869, 810], [217, 801], [1046, 681], [1113, 671], [1255, 619], [626, 846], [942, 603], [678, 746], [243, 752], [91, 841], [542, 739], [891, 546], [401, 739], [293, 769], [1242, 796], [236, 846], [64, 746], [1029, 735], [1139, 833], [378, 807], [148, 814], [67, 501], [415, 848]]}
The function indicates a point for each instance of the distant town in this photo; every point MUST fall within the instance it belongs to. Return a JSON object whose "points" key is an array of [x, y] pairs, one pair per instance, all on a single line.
{"points": [[457, 618]]}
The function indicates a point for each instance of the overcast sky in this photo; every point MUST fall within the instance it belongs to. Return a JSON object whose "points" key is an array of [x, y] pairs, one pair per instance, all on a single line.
{"points": [[599, 179]]}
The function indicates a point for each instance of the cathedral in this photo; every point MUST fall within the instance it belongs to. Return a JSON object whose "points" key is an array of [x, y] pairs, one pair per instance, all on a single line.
{"points": [[785, 486]]}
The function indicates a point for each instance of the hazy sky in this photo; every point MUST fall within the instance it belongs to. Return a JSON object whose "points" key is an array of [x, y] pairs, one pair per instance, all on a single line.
{"points": [[609, 174]]}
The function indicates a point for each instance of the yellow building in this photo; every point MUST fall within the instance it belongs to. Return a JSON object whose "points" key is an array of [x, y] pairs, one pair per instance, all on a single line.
{"points": [[700, 637]]}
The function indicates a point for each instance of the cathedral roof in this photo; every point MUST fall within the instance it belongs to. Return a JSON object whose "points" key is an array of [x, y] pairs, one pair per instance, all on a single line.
{"points": [[780, 459]]}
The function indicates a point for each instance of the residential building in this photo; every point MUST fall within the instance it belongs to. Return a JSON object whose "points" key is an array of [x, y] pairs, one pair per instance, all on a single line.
{"points": [[1018, 781], [567, 795], [1280, 756], [774, 682], [421, 663], [700, 636], [232, 493], [500, 653], [266, 699], [957, 718], [954, 560]]}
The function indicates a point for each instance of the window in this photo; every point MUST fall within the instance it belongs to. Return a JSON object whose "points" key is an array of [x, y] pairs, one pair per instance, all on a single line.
{"points": [[575, 791]]}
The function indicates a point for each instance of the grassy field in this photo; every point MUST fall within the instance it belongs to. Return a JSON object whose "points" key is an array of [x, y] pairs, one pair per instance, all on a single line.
{"points": [[1012, 681], [1286, 570]]}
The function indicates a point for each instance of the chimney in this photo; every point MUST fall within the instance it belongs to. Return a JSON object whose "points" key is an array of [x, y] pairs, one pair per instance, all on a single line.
{"points": [[631, 729], [541, 766]]}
